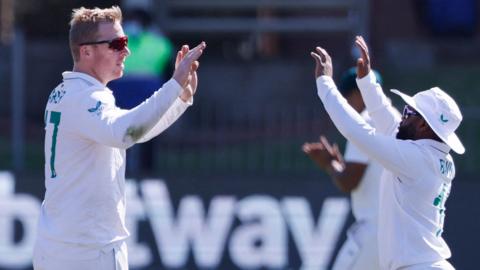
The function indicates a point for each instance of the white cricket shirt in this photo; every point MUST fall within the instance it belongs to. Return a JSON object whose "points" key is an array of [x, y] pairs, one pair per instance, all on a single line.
{"points": [[364, 197], [85, 140], [415, 182]]}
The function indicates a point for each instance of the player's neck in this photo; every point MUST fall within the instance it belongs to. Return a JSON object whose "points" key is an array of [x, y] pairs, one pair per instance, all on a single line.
{"points": [[78, 67]]}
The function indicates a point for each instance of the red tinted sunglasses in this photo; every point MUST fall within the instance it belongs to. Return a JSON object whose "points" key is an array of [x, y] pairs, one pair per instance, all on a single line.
{"points": [[117, 44]]}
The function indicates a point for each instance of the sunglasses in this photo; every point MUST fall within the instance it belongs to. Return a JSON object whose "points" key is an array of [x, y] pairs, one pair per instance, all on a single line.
{"points": [[116, 44], [408, 111]]}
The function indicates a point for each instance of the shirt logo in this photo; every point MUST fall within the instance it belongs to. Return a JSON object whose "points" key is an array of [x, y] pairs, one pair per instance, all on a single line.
{"points": [[97, 109], [443, 119]]}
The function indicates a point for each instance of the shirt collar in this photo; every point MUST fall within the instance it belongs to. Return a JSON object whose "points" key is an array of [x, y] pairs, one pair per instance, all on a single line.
{"points": [[440, 146], [83, 76]]}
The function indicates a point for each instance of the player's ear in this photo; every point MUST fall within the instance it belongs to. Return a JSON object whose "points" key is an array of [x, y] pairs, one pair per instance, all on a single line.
{"points": [[85, 51]]}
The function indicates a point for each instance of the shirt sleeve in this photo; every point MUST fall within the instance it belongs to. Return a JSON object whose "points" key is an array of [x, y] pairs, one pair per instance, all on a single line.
{"points": [[172, 115], [384, 116], [353, 154], [395, 155], [98, 119]]}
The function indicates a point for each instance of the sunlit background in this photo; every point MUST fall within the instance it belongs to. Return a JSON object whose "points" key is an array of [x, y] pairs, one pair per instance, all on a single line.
{"points": [[227, 186]]}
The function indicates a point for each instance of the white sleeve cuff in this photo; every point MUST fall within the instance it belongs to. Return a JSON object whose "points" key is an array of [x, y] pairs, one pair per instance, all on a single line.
{"points": [[175, 85], [324, 85], [367, 80]]}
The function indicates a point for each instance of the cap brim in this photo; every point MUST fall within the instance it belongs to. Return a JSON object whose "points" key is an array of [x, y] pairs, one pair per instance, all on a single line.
{"points": [[452, 140]]}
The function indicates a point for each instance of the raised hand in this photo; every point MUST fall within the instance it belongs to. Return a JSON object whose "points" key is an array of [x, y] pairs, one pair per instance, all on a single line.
{"points": [[326, 156], [186, 65], [363, 63], [323, 62]]}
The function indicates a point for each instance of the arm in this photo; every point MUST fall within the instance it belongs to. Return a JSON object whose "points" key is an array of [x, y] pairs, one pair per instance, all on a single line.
{"points": [[379, 107], [180, 105], [172, 114], [351, 177], [395, 155], [345, 175], [122, 128], [101, 121]]}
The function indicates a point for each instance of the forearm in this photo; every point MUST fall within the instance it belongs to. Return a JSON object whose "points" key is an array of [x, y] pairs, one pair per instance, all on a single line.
{"points": [[346, 119], [170, 117], [379, 107], [128, 127], [384, 149]]}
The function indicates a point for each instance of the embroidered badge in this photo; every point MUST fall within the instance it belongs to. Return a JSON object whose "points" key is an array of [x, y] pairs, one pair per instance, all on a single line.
{"points": [[443, 119], [97, 110]]}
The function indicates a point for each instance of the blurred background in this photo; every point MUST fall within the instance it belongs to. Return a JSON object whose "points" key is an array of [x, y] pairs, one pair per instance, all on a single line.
{"points": [[239, 192]]}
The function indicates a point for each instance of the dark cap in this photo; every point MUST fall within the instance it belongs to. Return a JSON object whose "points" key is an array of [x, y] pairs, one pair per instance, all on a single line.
{"points": [[348, 81]]}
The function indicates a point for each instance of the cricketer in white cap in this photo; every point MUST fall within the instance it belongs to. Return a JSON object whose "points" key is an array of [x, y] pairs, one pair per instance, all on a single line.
{"points": [[414, 151]]}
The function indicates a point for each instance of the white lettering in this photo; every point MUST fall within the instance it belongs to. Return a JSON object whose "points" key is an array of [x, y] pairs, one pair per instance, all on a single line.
{"points": [[139, 254], [23, 208], [207, 234], [261, 240], [315, 245]]}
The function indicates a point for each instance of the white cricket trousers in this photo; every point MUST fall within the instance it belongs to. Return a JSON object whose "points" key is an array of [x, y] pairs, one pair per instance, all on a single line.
{"points": [[360, 250], [113, 259]]}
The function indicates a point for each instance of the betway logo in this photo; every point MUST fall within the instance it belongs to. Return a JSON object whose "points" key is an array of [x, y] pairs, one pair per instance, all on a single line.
{"points": [[252, 231]]}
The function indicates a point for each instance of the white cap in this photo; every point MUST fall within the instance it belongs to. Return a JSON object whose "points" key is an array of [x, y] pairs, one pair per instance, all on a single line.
{"points": [[441, 113]]}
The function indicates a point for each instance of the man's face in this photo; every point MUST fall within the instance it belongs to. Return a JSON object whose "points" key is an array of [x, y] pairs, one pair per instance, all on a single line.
{"points": [[408, 126], [108, 63]]}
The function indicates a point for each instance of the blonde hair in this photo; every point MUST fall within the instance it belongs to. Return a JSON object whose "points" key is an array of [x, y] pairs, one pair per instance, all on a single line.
{"points": [[84, 25]]}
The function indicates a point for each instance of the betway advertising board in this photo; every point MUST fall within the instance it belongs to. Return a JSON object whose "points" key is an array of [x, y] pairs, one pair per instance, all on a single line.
{"points": [[207, 223]]}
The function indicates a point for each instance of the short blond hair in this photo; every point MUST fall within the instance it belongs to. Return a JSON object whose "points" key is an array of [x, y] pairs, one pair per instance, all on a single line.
{"points": [[84, 25]]}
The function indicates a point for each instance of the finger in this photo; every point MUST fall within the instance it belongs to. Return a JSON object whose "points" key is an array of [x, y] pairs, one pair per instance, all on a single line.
{"points": [[200, 46], [306, 148], [324, 54], [318, 59], [363, 47], [321, 53], [360, 42], [195, 66], [315, 147], [364, 55], [196, 52], [185, 49], [364, 43], [335, 149], [178, 59], [194, 82], [326, 144], [337, 152]]}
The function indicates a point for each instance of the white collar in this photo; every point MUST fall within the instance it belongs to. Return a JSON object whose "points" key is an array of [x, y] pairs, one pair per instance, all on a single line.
{"points": [[440, 146], [80, 75]]}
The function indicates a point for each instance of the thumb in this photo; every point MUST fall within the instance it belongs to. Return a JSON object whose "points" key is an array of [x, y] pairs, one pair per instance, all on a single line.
{"points": [[360, 63]]}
